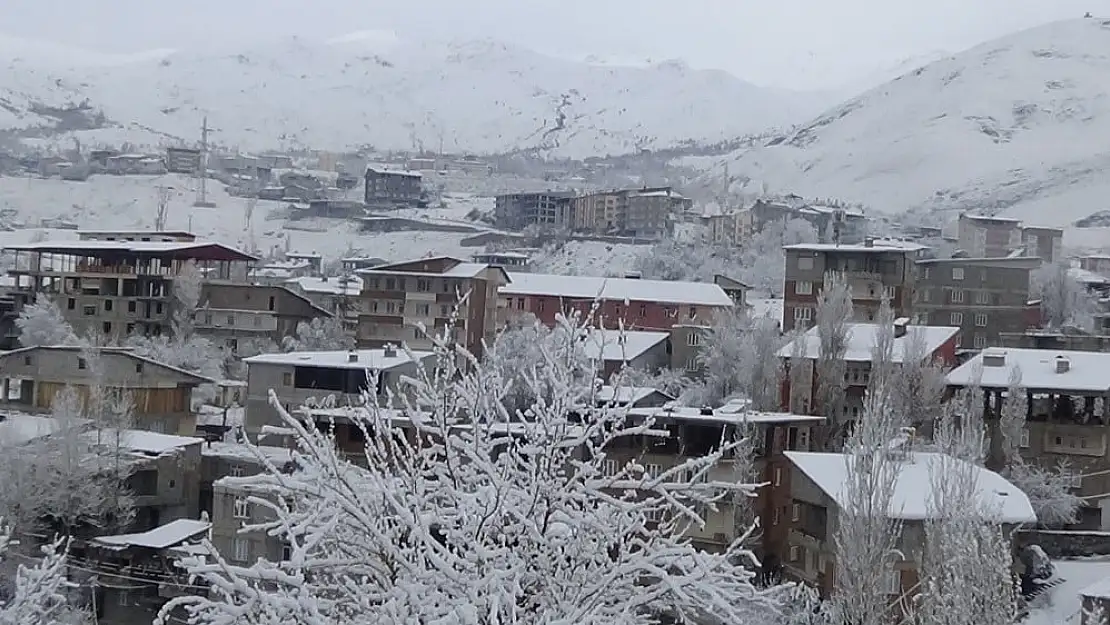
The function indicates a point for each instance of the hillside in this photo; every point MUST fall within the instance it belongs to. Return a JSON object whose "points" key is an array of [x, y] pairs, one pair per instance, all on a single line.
{"points": [[1016, 126], [477, 96]]}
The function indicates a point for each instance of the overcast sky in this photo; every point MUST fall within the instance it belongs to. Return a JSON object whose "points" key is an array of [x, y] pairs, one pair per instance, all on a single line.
{"points": [[805, 44]]}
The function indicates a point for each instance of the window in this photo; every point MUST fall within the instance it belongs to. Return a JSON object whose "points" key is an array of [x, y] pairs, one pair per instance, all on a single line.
{"points": [[803, 313], [208, 319], [672, 312], [957, 273], [956, 319], [981, 320], [927, 273], [423, 285], [287, 379], [795, 512], [892, 581], [390, 284], [107, 327], [88, 311], [693, 339], [81, 364], [805, 263], [609, 468], [416, 333], [775, 515], [131, 305], [242, 508], [509, 303], [138, 367], [71, 304], [272, 303], [424, 310], [778, 476], [957, 296], [618, 311], [158, 308], [123, 597], [108, 304], [242, 550], [130, 328], [692, 364], [643, 310], [924, 295], [793, 553], [1075, 481], [1024, 439], [803, 287], [27, 361], [286, 552], [257, 320], [890, 292], [520, 304], [444, 312], [232, 344], [652, 470], [236, 470], [693, 312], [231, 320], [980, 341], [982, 297]]}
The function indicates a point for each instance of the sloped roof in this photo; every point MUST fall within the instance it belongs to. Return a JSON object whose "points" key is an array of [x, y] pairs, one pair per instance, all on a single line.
{"points": [[374, 359], [206, 250], [861, 341], [618, 345], [189, 376], [161, 537], [1086, 371], [617, 289], [1001, 500]]}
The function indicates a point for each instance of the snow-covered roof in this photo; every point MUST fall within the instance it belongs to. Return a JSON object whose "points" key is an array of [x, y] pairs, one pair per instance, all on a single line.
{"points": [[723, 416], [1085, 371], [142, 441], [136, 247], [17, 428], [1089, 278], [1097, 590], [616, 289], [618, 345], [123, 351], [911, 501], [461, 270], [239, 451], [393, 172], [375, 359], [660, 193], [627, 394], [887, 245], [161, 537], [861, 341], [989, 218], [335, 286]]}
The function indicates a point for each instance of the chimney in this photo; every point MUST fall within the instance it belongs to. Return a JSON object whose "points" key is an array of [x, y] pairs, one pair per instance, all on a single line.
{"points": [[900, 325], [352, 356], [1063, 365]]}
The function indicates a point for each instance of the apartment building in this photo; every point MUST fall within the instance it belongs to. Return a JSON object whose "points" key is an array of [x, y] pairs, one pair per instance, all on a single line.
{"points": [[1067, 400], [836, 224], [872, 270], [984, 297], [234, 314], [386, 188], [509, 261], [115, 287], [547, 210], [161, 395], [1096, 263], [399, 298], [320, 379], [818, 487], [231, 509], [1044, 243], [647, 212], [613, 350], [337, 295], [980, 236], [632, 302], [693, 433]]}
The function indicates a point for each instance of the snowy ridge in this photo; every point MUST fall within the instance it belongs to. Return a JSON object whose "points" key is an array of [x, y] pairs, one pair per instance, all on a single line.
{"points": [[1014, 126], [366, 89]]}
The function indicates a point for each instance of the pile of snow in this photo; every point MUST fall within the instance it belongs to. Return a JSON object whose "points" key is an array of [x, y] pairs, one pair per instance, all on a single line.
{"points": [[1014, 126], [472, 96]]}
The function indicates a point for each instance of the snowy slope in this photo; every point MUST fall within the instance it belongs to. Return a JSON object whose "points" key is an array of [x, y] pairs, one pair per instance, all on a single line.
{"points": [[1016, 126], [477, 96]]}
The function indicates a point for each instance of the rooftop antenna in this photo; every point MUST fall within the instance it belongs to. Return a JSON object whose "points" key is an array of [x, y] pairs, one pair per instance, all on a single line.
{"points": [[202, 169]]}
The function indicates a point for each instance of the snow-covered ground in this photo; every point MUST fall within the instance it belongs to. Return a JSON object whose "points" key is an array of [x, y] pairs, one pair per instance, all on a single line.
{"points": [[588, 258], [462, 96], [1014, 125], [1060, 605]]}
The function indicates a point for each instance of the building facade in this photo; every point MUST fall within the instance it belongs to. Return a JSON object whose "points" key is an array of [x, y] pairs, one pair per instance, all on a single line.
{"points": [[549, 210], [1044, 243], [980, 236], [235, 314], [649, 212], [400, 299], [385, 187], [984, 297], [870, 269]]}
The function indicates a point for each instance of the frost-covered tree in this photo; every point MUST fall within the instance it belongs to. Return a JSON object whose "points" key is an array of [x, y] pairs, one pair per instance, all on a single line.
{"points": [[834, 312], [320, 334], [919, 384], [739, 358], [42, 323], [799, 373], [762, 257], [462, 518], [39, 594], [1064, 301]]}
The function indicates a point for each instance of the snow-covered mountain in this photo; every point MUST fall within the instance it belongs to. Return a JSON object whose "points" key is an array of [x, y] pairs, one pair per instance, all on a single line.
{"points": [[1016, 126], [477, 96]]}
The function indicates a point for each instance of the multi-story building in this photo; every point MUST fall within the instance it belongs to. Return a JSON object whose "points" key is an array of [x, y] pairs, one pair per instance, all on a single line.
{"points": [[232, 314], [509, 261], [542, 209], [637, 304], [231, 509], [647, 212], [872, 270], [614, 350], [1044, 243], [337, 295], [1096, 263], [818, 491], [387, 187], [118, 284], [161, 395], [183, 160], [980, 236], [321, 379], [399, 299], [984, 297]]}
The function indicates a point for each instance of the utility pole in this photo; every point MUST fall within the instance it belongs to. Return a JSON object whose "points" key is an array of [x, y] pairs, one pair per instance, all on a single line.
{"points": [[164, 195], [202, 169]]}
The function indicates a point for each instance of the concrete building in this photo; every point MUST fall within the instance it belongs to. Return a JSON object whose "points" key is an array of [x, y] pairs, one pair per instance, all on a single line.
{"points": [[398, 297], [161, 394], [638, 304], [337, 295], [220, 459], [321, 379], [183, 160], [547, 210], [872, 270], [509, 261], [613, 350], [818, 489], [231, 314], [1096, 263], [115, 287], [389, 188], [980, 236], [984, 297], [1044, 243], [231, 509], [649, 212]]}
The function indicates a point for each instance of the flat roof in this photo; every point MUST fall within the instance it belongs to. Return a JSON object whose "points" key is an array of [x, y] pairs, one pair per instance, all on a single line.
{"points": [[862, 338], [885, 246], [616, 289], [374, 359], [989, 218], [1086, 371], [393, 172], [188, 249], [723, 416]]}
